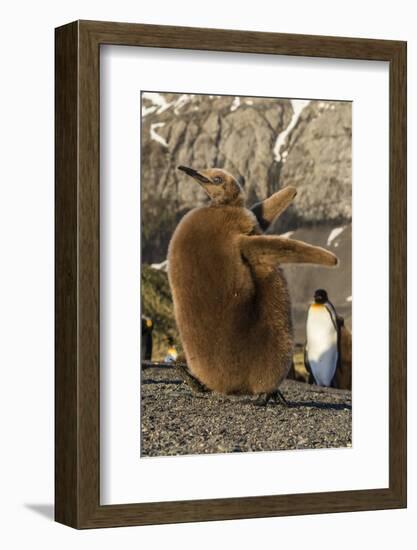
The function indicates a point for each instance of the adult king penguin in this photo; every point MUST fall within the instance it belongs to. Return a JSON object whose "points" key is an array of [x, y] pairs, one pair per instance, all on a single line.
{"points": [[231, 300], [322, 351]]}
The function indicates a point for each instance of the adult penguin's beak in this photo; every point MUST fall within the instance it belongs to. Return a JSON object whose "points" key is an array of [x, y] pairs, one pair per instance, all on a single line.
{"points": [[194, 174]]}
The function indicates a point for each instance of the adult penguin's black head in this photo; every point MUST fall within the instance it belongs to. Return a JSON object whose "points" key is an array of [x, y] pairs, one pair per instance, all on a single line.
{"points": [[222, 188], [320, 296]]}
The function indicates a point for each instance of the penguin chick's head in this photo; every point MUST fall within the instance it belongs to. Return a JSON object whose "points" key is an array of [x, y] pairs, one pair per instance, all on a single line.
{"points": [[220, 186], [320, 296]]}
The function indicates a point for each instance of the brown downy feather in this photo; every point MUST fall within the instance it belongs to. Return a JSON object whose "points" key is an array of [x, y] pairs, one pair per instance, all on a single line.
{"points": [[343, 376], [231, 299]]}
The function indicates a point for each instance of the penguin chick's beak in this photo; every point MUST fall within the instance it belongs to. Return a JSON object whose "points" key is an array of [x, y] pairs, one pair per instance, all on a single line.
{"points": [[194, 174]]}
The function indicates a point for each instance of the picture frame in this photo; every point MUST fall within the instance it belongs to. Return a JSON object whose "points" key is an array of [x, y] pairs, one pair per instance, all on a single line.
{"points": [[77, 291]]}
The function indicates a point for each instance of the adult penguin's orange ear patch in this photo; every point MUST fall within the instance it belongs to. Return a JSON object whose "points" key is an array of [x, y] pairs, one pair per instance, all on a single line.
{"points": [[317, 306]]}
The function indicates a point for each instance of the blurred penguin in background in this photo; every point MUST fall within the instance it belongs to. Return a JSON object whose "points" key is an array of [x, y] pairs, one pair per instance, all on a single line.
{"points": [[147, 342], [328, 351], [172, 354], [343, 377]]}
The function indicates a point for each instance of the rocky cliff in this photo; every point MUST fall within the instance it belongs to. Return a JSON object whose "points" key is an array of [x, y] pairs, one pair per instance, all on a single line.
{"points": [[317, 159]]}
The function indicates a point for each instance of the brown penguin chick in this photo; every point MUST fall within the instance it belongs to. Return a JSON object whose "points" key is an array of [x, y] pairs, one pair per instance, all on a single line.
{"points": [[343, 376], [231, 299]]}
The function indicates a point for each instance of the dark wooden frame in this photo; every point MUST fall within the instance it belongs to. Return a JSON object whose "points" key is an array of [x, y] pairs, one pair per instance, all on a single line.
{"points": [[77, 274]]}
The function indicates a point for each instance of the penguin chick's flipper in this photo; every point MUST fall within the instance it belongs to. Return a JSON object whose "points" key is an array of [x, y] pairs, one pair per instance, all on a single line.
{"points": [[267, 210], [276, 396], [195, 385], [270, 250]]}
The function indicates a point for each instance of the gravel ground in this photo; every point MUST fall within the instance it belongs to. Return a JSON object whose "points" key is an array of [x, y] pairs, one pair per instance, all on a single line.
{"points": [[176, 421]]}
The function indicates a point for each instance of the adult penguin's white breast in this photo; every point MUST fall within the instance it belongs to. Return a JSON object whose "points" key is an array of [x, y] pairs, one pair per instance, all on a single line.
{"points": [[322, 351]]}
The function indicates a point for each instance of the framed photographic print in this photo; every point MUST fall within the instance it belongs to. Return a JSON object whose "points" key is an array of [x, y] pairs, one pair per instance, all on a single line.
{"points": [[230, 274]]}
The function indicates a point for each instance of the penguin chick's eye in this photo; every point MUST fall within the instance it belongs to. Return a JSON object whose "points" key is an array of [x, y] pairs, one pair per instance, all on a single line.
{"points": [[217, 179]]}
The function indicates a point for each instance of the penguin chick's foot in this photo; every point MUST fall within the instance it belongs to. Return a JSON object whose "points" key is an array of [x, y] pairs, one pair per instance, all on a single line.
{"points": [[195, 385], [276, 397]]}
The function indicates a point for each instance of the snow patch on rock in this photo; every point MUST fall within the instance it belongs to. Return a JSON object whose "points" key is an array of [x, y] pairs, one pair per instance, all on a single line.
{"points": [[155, 136], [159, 103], [235, 105], [163, 266], [181, 101], [334, 233], [297, 105]]}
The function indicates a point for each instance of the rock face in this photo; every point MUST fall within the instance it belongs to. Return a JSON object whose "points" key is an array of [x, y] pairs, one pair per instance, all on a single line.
{"points": [[318, 161], [268, 142]]}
